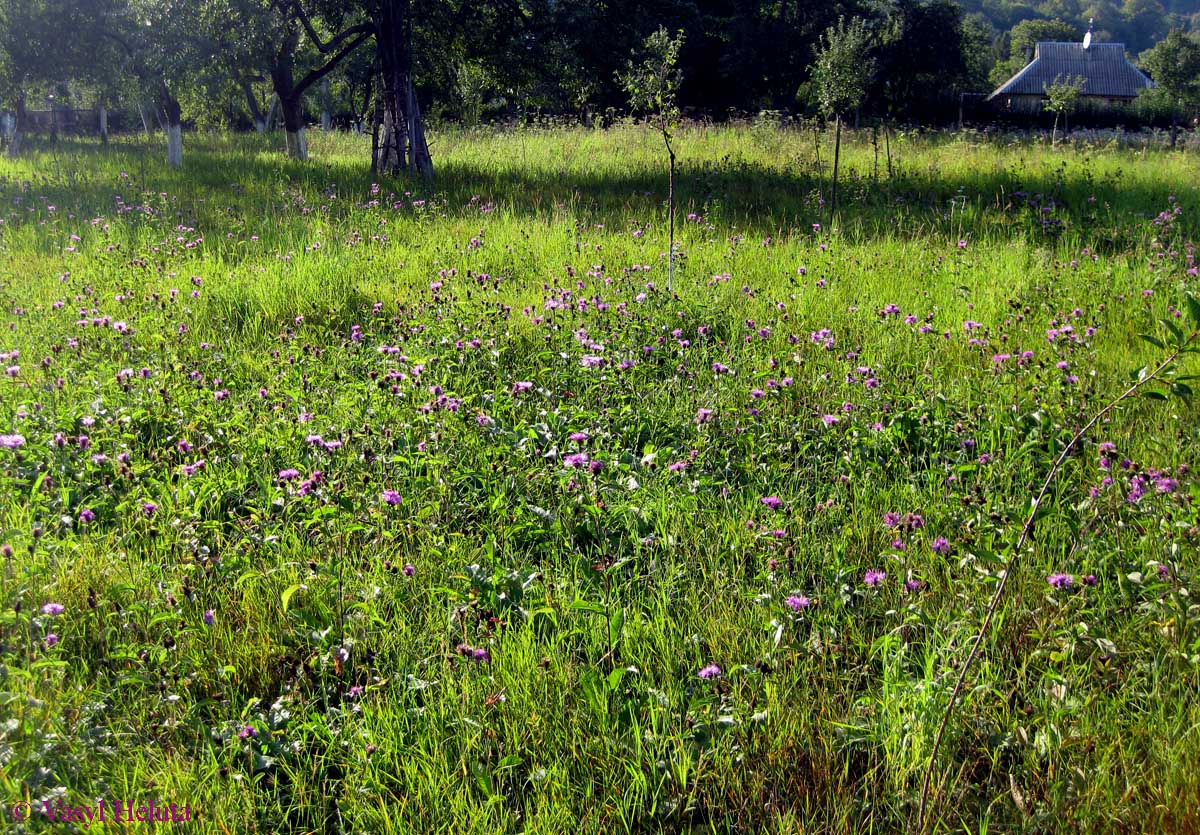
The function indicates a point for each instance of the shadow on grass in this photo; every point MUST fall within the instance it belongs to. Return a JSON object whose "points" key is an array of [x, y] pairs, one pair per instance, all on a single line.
{"points": [[236, 175]]}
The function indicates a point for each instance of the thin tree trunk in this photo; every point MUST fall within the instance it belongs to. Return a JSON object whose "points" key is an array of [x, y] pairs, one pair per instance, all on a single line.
{"points": [[1054, 132], [14, 145], [145, 121], [670, 219], [260, 122], [326, 117], [419, 158], [376, 131], [875, 148], [103, 123], [837, 153], [172, 112], [273, 114], [887, 144]]}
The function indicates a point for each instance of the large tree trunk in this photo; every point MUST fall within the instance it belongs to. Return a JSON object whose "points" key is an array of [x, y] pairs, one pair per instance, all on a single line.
{"points": [[402, 144], [173, 115], [14, 144], [293, 125], [291, 99]]}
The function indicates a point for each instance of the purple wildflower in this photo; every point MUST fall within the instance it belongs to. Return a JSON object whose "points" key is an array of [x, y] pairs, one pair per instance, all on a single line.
{"points": [[53, 609], [711, 671], [1061, 581], [874, 577], [797, 602]]}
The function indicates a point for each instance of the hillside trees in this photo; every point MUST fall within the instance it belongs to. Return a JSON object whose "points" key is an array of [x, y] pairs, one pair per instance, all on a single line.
{"points": [[1174, 64]]}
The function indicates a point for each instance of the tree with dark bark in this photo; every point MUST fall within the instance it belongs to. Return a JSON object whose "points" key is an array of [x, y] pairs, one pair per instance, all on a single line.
{"points": [[294, 20]]}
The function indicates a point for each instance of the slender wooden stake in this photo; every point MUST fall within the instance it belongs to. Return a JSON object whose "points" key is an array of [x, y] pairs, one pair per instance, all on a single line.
{"points": [[837, 152]]}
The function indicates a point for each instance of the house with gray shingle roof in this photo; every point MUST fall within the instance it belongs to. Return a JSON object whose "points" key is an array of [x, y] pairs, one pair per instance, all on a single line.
{"points": [[1108, 76]]}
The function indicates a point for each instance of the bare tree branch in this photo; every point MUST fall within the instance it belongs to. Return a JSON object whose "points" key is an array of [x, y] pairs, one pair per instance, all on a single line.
{"points": [[322, 47], [330, 65]]}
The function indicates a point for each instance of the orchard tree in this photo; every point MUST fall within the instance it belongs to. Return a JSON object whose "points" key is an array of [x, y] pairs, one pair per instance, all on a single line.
{"points": [[1174, 64], [842, 74], [44, 43], [1061, 98], [292, 20], [653, 85]]}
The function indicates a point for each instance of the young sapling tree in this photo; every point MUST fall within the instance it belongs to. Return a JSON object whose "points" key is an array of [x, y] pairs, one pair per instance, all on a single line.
{"points": [[842, 74], [653, 85], [1061, 98]]}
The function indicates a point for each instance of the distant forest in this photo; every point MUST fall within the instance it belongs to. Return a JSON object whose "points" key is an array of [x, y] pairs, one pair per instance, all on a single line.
{"points": [[244, 62]]}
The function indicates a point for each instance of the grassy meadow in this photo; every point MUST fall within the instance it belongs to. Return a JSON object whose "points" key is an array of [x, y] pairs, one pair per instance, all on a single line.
{"points": [[332, 505]]}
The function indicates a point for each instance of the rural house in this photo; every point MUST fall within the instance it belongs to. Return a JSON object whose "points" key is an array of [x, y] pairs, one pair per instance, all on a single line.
{"points": [[1109, 77]]}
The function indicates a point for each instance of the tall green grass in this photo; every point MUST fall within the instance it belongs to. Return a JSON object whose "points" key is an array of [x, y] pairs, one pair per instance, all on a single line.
{"points": [[537, 669]]}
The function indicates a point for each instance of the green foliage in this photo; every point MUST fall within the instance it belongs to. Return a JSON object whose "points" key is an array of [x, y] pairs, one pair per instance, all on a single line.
{"points": [[652, 81], [1174, 64], [842, 71], [1062, 95], [1023, 40]]}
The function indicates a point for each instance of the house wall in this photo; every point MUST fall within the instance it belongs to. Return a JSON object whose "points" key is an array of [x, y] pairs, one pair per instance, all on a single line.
{"points": [[1036, 104]]}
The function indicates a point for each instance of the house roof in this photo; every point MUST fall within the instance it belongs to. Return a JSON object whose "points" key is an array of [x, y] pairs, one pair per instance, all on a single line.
{"points": [[1105, 70]]}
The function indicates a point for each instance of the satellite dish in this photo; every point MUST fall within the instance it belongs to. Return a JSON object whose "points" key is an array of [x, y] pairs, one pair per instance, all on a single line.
{"points": [[1087, 39]]}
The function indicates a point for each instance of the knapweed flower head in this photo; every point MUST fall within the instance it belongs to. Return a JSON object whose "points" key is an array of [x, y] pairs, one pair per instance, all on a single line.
{"points": [[51, 640], [12, 441], [391, 497], [210, 617], [477, 654], [711, 671], [409, 569], [772, 502], [874, 577], [247, 732], [797, 602], [1061, 581], [53, 609]]}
